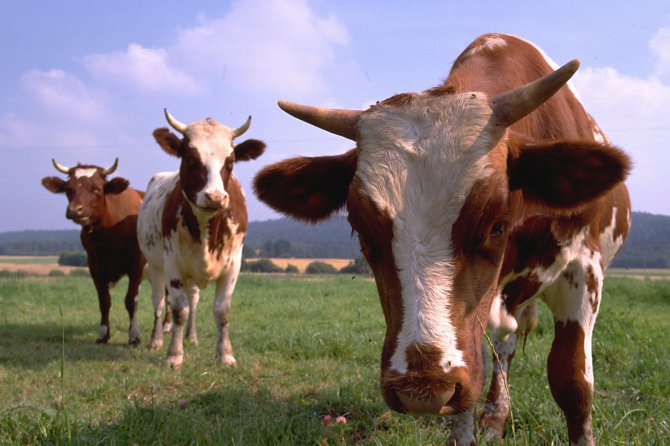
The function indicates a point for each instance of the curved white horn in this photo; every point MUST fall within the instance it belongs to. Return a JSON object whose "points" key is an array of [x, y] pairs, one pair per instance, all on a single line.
{"points": [[243, 128], [334, 120], [63, 169], [111, 169], [178, 126], [511, 106]]}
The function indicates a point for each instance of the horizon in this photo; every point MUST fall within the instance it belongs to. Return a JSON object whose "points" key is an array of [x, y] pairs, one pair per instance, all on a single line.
{"points": [[87, 82]]}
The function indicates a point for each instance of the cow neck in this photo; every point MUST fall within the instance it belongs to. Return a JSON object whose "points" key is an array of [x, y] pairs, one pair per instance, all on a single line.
{"points": [[108, 218]]}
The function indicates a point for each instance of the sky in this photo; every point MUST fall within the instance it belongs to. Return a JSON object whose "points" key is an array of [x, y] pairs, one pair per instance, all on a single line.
{"points": [[87, 82]]}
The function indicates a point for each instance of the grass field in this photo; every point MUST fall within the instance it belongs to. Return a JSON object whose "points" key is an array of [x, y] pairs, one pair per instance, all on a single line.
{"points": [[305, 349]]}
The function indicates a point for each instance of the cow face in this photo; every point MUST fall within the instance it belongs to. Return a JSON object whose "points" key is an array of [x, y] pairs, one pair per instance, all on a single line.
{"points": [[85, 188], [428, 191], [207, 155]]}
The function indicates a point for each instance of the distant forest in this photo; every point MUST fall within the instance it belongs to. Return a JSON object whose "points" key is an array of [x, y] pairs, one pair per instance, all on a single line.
{"points": [[648, 244]]}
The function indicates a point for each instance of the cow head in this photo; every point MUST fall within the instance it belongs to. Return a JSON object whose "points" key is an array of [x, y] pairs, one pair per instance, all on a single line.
{"points": [[428, 189], [85, 188], [207, 155]]}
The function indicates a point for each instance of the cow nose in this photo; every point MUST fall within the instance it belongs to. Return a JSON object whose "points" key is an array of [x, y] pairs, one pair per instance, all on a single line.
{"points": [[216, 199], [436, 404], [74, 211]]}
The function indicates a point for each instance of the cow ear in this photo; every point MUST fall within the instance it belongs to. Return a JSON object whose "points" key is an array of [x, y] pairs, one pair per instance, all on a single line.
{"points": [[168, 141], [307, 189], [54, 184], [116, 185], [565, 175], [249, 150]]}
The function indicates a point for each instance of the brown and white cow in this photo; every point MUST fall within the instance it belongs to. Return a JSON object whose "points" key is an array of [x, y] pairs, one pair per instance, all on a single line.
{"points": [[192, 225], [471, 201], [107, 211]]}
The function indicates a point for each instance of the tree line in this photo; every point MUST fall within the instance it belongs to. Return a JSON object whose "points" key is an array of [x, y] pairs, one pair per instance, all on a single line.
{"points": [[648, 244]]}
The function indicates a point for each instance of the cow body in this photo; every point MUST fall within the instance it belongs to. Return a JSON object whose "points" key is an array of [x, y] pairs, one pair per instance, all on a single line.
{"points": [[192, 226], [107, 212], [474, 199]]}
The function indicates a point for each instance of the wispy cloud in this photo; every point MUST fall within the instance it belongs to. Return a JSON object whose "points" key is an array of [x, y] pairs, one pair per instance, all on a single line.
{"points": [[264, 46], [64, 95], [660, 45], [143, 69], [621, 101]]}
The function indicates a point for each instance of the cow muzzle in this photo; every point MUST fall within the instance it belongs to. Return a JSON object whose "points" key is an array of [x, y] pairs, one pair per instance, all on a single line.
{"points": [[76, 213], [215, 200], [427, 393]]}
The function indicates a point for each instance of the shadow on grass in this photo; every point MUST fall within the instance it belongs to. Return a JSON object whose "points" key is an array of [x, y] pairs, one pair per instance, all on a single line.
{"points": [[233, 415], [35, 345]]}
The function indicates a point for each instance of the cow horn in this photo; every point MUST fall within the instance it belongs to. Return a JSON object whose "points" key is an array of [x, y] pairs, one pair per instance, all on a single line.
{"points": [[511, 106], [63, 169], [243, 128], [338, 121], [178, 126], [111, 169]]}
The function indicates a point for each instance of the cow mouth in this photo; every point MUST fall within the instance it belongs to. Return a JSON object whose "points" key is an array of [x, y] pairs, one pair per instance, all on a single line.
{"points": [[83, 221], [210, 210]]}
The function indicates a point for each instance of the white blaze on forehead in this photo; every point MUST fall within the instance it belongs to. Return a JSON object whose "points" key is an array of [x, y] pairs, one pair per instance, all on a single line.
{"points": [[418, 162], [84, 172]]}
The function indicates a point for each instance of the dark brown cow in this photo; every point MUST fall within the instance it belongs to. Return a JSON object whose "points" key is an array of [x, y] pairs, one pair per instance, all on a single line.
{"points": [[192, 227], [471, 201], [107, 211]]}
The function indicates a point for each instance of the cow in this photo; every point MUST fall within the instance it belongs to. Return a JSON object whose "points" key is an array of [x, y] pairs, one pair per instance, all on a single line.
{"points": [[471, 201], [107, 212], [192, 226]]}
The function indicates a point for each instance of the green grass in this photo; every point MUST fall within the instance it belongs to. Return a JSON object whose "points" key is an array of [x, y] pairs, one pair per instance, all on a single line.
{"points": [[51, 260], [305, 348]]}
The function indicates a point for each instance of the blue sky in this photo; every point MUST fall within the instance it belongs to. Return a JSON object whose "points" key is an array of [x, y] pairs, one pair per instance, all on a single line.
{"points": [[87, 82]]}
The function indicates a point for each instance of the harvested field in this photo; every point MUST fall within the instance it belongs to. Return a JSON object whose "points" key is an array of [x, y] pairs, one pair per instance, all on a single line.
{"points": [[301, 264]]}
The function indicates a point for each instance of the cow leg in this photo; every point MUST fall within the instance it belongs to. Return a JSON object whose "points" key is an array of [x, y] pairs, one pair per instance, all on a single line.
{"points": [[222, 300], [167, 322], [463, 430], [134, 282], [193, 294], [496, 409], [158, 298], [105, 302], [574, 301], [179, 291]]}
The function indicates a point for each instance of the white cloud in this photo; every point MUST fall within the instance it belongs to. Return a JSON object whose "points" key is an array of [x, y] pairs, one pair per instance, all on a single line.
{"points": [[634, 113], [265, 46], [624, 101], [64, 95], [146, 69], [660, 45]]}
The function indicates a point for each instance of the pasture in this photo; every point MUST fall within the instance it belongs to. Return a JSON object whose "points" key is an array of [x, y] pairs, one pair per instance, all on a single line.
{"points": [[306, 348]]}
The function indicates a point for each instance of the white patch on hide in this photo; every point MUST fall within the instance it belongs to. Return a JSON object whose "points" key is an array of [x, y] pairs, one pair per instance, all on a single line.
{"points": [[609, 244], [490, 43]]}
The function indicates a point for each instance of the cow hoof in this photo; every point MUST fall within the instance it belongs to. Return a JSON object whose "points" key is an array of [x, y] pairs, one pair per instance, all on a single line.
{"points": [[167, 327], [192, 338], [103, 335], [156, 344], [228, 361], [174, 361], [492, 434], [134, 342]]}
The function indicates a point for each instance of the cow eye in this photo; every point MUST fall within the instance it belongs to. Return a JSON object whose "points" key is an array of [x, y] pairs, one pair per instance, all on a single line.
{"points": [[497, 229]]}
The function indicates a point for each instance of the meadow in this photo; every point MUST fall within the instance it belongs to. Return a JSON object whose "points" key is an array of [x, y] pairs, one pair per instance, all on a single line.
{"points": [[306, 348]]}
